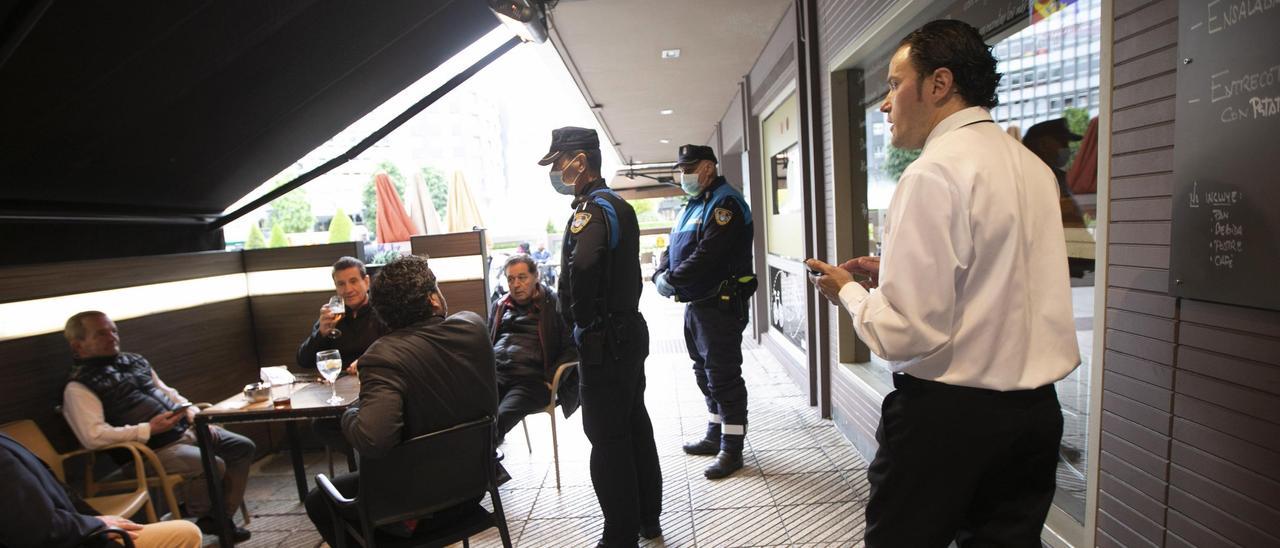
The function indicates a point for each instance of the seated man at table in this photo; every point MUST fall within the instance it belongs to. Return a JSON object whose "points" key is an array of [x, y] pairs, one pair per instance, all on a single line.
{"points": [[357, 328], [50, 515], [530, 340], [432, 371], [115, 396]]}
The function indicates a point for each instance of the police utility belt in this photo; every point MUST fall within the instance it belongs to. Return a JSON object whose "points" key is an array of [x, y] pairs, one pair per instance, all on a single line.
{"points": [[729, 293]]}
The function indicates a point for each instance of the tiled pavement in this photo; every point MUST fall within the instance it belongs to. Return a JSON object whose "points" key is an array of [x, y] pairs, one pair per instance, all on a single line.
{"points": [[804, 484]]}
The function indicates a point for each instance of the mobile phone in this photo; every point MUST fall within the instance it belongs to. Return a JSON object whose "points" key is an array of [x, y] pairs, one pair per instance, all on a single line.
{"points": [[182, 407], [815, 273]]}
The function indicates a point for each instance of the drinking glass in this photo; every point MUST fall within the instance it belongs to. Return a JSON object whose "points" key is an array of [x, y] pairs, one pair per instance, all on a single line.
{"points": [[329, 362], [336, 307]]}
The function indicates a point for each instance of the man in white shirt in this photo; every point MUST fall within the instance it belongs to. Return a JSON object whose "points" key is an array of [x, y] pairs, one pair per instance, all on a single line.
{"points": [[973, 310], [115, 397]]}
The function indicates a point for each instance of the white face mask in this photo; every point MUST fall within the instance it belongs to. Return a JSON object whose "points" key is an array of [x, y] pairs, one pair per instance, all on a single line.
{"points": [[557, 183], [689, 183]]}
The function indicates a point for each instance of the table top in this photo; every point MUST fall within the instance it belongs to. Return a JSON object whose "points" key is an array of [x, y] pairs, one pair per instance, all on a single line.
{"points": [[307, 400]]}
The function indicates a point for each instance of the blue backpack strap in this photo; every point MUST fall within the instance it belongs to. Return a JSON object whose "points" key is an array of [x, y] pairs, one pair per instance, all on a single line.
{"points": [[610, 214]]}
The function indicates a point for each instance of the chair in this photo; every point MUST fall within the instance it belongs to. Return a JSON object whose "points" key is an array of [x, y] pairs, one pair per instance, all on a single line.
{"points": [[161, 479], [554, 385], [424, 475], [127, 504]]}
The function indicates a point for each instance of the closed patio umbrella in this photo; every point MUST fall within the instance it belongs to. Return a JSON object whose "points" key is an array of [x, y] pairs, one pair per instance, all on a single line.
{"points": [[461, 213], [393, 222], [421, 209]]}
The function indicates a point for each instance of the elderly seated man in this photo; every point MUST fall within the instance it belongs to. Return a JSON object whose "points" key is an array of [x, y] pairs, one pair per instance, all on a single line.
{"points": [[530, 340], [432, 371], [51, 516], [115, 396]]}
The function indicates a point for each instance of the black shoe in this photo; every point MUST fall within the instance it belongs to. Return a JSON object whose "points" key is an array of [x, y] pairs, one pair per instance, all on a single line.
{"points": [[702, 447], [650, 532], [207, 526], [726, 463], [501, 475]]}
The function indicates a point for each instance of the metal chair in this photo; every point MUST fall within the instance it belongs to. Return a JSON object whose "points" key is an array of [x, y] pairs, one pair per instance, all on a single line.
{"points": [[126, 504], [423, 476], [554, 385]]}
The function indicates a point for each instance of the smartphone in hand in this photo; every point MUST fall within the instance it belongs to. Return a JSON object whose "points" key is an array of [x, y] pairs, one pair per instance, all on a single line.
{"points": [[181, 408]]}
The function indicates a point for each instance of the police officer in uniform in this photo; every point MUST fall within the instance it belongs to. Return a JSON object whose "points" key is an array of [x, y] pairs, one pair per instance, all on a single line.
{"points": [[599, 290], [708, 265]]}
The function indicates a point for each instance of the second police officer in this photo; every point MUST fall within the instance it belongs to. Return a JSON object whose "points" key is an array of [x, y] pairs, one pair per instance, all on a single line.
{"points": [[600, 288], [708, 265]]}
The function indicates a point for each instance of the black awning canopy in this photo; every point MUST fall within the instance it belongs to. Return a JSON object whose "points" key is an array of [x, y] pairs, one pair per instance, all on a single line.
{"points": [[164, 108]]}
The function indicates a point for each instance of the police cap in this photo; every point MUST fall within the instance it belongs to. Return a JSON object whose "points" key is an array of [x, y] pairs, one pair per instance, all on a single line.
{"points": [[568, 139], [692, 153]]}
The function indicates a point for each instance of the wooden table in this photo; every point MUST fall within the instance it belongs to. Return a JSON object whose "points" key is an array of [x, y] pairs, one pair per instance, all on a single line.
{"points": [[307, 401]]}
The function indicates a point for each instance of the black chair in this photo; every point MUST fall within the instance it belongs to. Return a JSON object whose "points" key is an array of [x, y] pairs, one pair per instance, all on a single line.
{"points": [[422, 476]]}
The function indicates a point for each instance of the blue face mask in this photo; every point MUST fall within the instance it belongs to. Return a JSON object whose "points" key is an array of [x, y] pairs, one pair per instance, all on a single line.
{"points": [[557, 183], [689, 183]]}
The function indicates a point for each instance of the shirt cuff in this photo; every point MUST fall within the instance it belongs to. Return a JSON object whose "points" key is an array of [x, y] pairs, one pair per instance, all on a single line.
{"points": [[144, 432], [852, 295]]}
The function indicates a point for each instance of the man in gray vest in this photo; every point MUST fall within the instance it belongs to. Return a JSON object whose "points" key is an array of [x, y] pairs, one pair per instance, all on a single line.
{"points": [[115, 396]]}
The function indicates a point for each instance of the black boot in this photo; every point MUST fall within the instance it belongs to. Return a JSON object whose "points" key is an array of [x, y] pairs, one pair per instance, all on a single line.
{"points": [[708, 445], [650, 532], [726, 463]]}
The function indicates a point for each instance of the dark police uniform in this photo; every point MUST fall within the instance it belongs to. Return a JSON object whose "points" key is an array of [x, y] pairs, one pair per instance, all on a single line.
{"points": [[708, 263], [599, 290]]}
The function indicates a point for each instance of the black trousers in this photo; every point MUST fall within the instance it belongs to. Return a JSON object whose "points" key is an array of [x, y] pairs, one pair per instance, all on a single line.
{"points": [[517, 399], [714, 339], [349, 485], [624, 458], [966, 464]]}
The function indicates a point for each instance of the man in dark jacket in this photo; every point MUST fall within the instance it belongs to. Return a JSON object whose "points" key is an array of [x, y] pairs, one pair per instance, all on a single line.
{"points": [[49, 515], [350, 332], [530, 341], [429, 373]]}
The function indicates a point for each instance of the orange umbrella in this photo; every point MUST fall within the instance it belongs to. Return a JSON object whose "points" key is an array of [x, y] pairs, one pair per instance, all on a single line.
{"points": [[393, 223]]}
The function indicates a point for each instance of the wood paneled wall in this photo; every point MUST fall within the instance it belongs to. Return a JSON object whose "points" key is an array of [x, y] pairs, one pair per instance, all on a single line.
{"points": [[1191, 390], [206, 352]]}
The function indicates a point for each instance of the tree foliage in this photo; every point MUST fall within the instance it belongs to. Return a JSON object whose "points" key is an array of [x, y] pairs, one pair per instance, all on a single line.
{"points": [[292, 212], [369, 196], [278, 238], [897, 160], [340, 227], [438, 187], [255, 240], [1078, 123]]}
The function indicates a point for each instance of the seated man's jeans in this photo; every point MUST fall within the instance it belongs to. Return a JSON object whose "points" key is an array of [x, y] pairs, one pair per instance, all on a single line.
{"points": [[234, 454], [518, 399]]}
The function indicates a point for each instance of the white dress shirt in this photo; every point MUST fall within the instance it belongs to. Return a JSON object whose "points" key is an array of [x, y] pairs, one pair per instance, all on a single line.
{"points": [[974, 288], [83, 410]]}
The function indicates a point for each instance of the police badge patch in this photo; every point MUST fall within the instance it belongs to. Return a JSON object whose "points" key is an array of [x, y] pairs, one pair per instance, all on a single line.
{"points": [[723, 216], [580, 221]]}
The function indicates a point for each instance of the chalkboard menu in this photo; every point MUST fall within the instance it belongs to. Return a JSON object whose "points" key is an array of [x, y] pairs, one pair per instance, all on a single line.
{"points": [[1226, 219]]}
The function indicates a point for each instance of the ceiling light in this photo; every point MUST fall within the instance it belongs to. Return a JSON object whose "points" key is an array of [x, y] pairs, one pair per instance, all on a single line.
{"points": [[665, 141], [671, 53], [666, 111]]}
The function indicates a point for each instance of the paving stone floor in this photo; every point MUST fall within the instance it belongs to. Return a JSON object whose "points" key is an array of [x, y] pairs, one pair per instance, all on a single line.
{"points": [[804, 484]]}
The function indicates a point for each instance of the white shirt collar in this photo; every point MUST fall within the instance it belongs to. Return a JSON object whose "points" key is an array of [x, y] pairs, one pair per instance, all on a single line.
{"points": [[958, 120]]}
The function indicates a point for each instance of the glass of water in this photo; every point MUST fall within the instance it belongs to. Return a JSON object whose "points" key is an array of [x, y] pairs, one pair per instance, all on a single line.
{"points": [[329, 362], [336, 307]]}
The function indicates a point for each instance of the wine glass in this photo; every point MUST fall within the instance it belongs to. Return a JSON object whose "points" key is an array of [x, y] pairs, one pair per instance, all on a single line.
{"points": [[336, 307], [329, 362]]}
